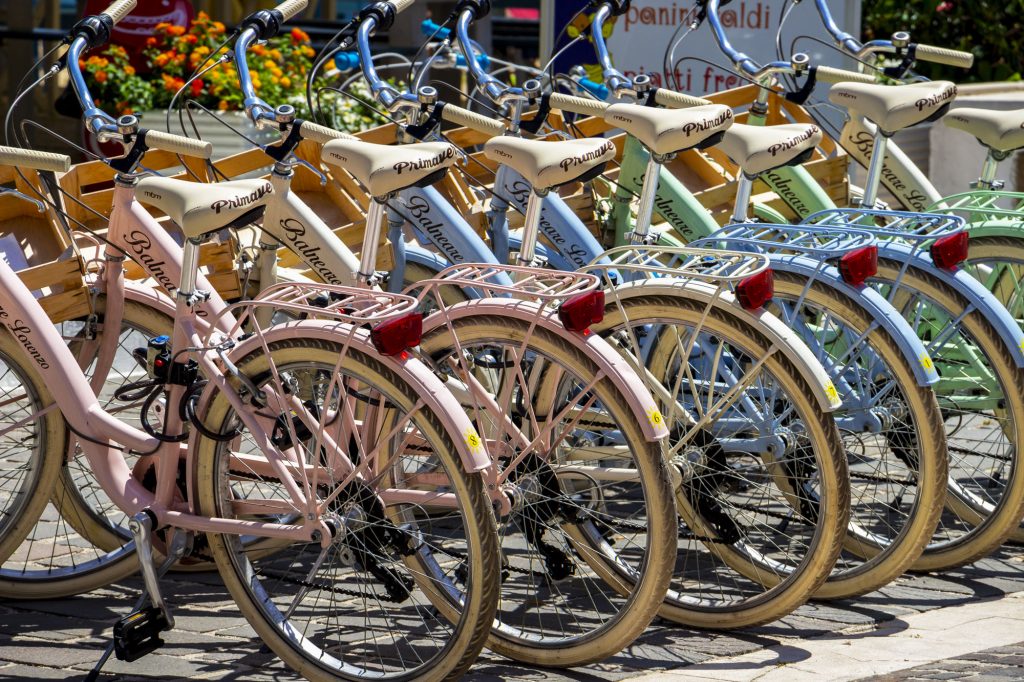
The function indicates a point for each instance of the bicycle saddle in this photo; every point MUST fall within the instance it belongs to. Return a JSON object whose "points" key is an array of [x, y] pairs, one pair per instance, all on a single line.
{"points": [[1002, 131], [200, 208], [666, 131], [895, 107], [545, 164], [756, 149], [384, 169]]}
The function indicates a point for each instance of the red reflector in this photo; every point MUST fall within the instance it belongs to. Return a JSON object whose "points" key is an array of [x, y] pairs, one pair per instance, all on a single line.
{"points": [[756, 290], [950, 251], [395, 336], [582, 310], [856, 266]]}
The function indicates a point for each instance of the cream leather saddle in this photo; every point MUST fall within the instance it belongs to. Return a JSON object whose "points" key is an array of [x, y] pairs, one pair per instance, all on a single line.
{"points": [[1002, 131], [756, 149], [895, 107], [201, 208], [384, 169], [546, 164], [666, 131]]}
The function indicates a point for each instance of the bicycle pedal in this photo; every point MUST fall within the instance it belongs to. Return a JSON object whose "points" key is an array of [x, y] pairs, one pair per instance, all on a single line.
{"points": [[138, 634]]}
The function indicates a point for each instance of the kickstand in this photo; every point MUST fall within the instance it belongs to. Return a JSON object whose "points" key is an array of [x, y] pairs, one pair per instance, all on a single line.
{"points": [[178, 545]]}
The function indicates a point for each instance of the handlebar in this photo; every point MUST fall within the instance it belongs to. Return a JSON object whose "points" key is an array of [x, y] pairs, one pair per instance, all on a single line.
{"points": [[321, 134], [598, 90], [927, 53], [431, 28], [491, 86], [470, 119], [176, 144], [119, 10], [28, 158], [618, 83], [677, 100], [577, 105], [942, 55], [830, 75]]}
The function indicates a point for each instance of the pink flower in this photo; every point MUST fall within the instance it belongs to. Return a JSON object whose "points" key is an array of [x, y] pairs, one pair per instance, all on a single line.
{"points": [[944, 6]]}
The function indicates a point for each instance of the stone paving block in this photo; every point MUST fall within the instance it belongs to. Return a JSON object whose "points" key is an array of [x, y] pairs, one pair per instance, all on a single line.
{"points": [[27, 672], [29, 651]]}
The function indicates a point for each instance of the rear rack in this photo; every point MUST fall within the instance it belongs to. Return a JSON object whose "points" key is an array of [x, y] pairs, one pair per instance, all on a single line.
{"points": [[360, 307], [822, 241], [683, 262], [981, 205], [889, 225], [528, 283]]}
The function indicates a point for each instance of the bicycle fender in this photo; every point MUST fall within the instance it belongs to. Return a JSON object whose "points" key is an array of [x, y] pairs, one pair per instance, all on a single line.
{"points": [[971, 289], [1005, 227], [875, 305], [597, 350], [424, 382], [777, 332]]}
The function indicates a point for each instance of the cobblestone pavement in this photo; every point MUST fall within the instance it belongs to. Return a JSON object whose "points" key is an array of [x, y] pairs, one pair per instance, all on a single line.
{"points": [[1001, 663], [61, 640]]}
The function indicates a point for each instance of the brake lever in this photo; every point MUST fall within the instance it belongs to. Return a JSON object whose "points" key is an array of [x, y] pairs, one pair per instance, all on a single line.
{"points": [[40, 206], [293, 159]]}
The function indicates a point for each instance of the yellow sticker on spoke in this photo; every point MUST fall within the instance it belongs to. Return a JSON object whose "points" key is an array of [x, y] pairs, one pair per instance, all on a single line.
{"points": [[473, 440], [926, 362], [654, 416], [831, 392]]}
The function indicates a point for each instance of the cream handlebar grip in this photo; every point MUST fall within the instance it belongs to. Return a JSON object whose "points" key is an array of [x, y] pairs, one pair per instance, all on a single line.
{"points": [[941, 55], [470, 119], [176, 144], [400, 5], [322, 134], [830, 75], [289, 8], [119, 10], [28, 158], [577, 105], [677, 100]]}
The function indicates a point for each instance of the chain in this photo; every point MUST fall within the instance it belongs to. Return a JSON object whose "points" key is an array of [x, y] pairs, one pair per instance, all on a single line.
{"points": [[966, 452]]}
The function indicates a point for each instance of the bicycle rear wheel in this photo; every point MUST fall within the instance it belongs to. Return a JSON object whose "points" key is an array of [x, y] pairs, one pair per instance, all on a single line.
{"points": [[983, 412], [355, 607], [998, 263], [763, 492], [892, 433], [587, 546]]}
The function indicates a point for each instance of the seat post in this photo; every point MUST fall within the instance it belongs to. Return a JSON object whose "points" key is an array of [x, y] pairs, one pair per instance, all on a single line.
{"points": [[528, 250], [987, 180], [648, 193], [875, 169], [189, 269], [371, 237], [744, 188]]}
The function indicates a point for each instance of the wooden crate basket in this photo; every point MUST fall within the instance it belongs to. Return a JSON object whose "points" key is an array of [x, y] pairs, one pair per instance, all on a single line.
{"points": [[91, 183], [54, 271]]}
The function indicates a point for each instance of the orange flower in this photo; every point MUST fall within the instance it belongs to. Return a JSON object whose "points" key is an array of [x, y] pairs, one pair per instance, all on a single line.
{"points": [[162, 26], [100, 76], [222, 105], [176, 31], [151, 42], [299, 36], [130, 70], [191, 39]]}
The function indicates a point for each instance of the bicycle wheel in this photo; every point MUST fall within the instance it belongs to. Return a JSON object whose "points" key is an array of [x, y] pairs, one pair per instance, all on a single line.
{"points": [[998, 263], [91, 546], [764, 490], [32, 438], [983, 412], [892, 432], [355, 608], [587, 546]]}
